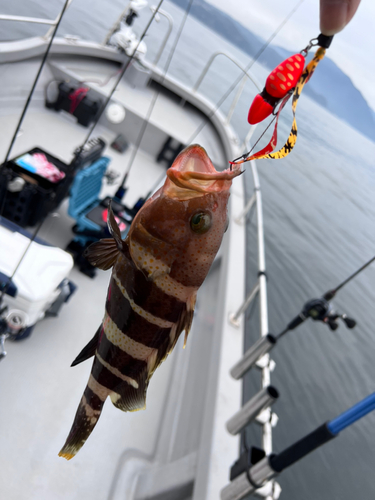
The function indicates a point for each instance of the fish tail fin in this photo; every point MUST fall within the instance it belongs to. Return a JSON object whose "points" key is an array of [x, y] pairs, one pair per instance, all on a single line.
{"points": [[88, 413]]}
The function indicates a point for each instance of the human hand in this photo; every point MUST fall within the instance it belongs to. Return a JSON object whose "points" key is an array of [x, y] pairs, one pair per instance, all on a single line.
{"points": [[335, 15]]}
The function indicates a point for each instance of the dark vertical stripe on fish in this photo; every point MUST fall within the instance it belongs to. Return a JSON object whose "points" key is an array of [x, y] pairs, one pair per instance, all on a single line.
{"points": [[146, 294], [120, 360], [131, 323]]}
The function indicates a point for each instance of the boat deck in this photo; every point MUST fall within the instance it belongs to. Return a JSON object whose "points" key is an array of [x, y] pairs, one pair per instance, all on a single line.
{"points": [[175, 439]]}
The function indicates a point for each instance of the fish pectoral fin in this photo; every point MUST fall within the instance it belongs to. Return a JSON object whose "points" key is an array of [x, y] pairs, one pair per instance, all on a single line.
{"points": [[102, 253], [89, 350]]}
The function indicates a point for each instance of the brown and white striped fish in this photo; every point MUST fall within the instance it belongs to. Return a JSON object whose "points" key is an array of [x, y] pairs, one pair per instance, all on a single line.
{"points": [[157, 271]]}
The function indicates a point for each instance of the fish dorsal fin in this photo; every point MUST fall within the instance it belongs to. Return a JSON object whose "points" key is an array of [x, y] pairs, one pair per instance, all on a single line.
{"points": [[113, 227], [102, 253], [89, 350]]}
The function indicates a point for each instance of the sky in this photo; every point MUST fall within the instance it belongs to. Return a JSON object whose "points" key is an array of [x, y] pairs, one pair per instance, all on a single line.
{"points": [[353, 49]]}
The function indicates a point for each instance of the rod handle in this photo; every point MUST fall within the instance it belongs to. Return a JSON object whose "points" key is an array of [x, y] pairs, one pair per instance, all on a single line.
{"points": [[301, 448]]}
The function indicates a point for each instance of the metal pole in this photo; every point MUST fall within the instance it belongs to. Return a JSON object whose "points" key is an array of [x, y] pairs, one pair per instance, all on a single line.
{"points": [[22, 19], [57, 21], [116, 25], [170, 27], [246, 210], [210, 61], [261, 256], [233, 318], [236, 99]]}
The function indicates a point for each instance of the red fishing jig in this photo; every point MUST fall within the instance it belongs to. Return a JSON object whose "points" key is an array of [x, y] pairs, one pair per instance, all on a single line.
{"points": [[279, 82]]}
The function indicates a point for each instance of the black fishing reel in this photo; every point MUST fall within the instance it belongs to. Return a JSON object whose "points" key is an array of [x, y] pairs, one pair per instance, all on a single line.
{"points": [[321, 310]]}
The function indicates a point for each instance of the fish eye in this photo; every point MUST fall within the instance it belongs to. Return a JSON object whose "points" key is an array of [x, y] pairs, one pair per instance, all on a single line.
{"points": [[200, 222]]}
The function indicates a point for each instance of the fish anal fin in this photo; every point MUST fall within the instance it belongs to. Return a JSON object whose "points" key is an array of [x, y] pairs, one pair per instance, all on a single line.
{"points": [[89, 350], [130, 398], [102, 253]]}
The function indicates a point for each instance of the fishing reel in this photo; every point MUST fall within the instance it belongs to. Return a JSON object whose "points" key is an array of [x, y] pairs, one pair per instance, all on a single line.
{"points": [[321, 310]]}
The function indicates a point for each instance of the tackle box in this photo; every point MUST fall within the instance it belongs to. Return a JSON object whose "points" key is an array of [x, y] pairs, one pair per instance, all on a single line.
{"points": [[88, 210], [27, 196]]}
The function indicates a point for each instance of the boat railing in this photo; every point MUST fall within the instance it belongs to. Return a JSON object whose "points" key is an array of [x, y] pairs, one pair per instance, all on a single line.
{"points": [[240, 87], [258, 407], [35, 20]]}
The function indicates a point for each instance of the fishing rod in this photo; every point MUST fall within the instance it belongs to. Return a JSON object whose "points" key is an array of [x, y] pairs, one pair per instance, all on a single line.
{"points": [[36, 80], [122, 72], [28, 100], [122, 189], [318, 309], [254, 468], [6, 285]]}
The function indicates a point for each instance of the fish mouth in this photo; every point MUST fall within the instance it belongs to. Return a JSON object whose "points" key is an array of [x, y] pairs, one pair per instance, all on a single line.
{"points": [[193, 174]]}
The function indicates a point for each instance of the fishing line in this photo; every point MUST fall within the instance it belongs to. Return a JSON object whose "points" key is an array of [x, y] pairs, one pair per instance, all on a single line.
{"points": [[154, 186], [36, 81], [254, 145], [7, 284], [250, 65], [121, 190], [32, 91], [122, 72]]}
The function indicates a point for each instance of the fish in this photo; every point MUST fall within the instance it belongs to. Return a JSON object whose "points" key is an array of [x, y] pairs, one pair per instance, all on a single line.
{"points": [[156, 273]]}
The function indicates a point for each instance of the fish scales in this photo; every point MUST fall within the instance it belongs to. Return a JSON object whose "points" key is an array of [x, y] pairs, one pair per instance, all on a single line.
{"points": [[157, 271]]}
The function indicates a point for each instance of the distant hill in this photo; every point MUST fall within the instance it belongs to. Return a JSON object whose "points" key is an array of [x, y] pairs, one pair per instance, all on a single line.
{"points": [[330, 87]]}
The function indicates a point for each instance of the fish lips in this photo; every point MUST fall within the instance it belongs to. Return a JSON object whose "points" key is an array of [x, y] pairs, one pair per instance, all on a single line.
{"points": [[193, 174]]}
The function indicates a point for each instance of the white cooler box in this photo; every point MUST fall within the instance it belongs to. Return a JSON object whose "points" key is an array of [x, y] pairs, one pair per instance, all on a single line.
{"points": [[40, 285]]}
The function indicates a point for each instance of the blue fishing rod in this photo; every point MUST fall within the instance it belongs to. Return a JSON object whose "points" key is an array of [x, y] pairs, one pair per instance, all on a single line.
{"points": [[254, 469]]}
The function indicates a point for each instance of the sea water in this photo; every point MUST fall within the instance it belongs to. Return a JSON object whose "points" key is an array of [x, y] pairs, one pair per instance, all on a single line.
{"points": [[319, 219]]}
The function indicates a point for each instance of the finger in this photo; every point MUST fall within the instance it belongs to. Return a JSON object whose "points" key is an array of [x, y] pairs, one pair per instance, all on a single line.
{"points": [[335, 15]]}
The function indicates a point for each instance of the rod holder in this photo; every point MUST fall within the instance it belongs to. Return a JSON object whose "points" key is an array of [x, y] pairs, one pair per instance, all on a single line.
{"points": [[251, 356], [249, 481], [265, 398]]}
